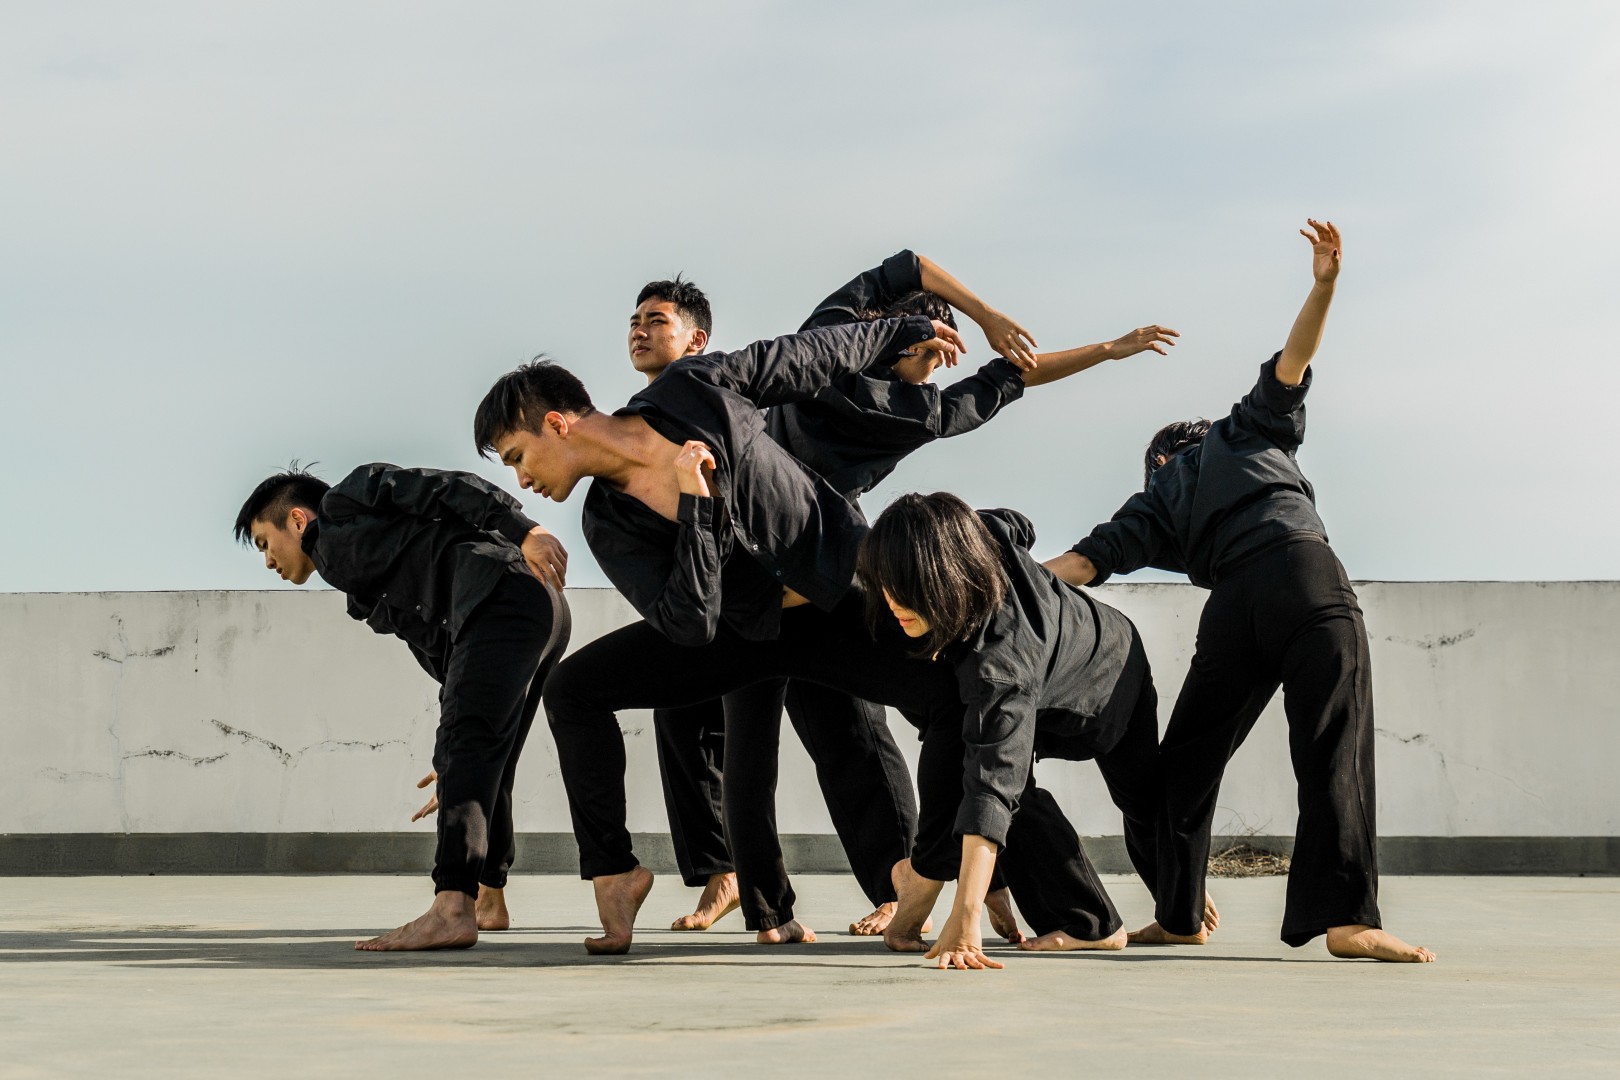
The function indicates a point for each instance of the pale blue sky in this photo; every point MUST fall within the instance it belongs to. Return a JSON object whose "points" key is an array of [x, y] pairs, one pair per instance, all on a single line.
{"points": [[238, 234]]}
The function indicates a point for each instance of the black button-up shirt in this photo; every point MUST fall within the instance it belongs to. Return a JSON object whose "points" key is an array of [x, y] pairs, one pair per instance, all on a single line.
{"points": [[1235, 494], [796, 531], [416, 550], [1038, 680], [856, 431]]}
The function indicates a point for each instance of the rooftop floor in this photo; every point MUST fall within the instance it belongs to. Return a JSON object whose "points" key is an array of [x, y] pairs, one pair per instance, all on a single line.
{"points": [[239, 976]]}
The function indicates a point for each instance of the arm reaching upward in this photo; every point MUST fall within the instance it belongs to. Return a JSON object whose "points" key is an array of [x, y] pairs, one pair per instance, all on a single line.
{"points": [[1306, 336], [1005, 336]]}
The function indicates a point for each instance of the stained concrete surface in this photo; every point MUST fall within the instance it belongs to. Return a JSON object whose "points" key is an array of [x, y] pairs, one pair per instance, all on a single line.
{"points": [[254, 976]]}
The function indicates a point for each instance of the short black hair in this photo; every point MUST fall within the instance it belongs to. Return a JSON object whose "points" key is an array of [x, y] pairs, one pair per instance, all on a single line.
{"points": [[523, 397], [1169, 441], [276, 497], [688, 299], [934, 555], [918, 302]]}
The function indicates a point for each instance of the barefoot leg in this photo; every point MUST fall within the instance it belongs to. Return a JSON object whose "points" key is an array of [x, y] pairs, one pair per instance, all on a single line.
{"points": [[1154, 934], [917, 897], [719, 899], [491, 909], [1366, 943], [998, 904], [618, 898], [448, 924], [1058, 941], [792, 932]]}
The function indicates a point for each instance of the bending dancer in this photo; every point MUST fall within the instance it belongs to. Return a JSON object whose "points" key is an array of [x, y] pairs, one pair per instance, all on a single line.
{"points": [[447, 562], [739, 560], [853, 433], [1226, 504], [1044, 670]]}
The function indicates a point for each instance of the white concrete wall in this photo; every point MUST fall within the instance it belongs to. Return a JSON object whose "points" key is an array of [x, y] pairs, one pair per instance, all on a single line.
{"points": [[273, 712]]}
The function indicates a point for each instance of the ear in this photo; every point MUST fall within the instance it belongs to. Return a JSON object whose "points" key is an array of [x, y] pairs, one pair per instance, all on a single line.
{"points": [[1159, 459], [557, 422], [297, 519], [700, 340]]}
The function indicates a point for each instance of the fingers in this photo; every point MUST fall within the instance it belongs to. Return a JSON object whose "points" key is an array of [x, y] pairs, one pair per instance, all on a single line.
{"points": [[428, 779], [432, 807], [947, 333]]}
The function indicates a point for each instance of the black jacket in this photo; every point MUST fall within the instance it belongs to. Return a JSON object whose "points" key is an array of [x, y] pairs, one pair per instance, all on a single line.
{"points": [[1233, 495], [416, 550], [1053, 673], [794, 530], [855, 431]]}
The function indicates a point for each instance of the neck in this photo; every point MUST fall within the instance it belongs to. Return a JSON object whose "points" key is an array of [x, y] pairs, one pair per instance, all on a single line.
{"points": [[614, 448]]}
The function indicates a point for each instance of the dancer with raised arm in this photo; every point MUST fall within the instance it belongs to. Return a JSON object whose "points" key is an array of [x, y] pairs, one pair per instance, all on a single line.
{"points": [[447, 562], [1226, 504]]}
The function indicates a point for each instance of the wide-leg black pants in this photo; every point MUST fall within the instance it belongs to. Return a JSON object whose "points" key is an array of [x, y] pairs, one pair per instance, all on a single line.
{"points": [[492, 688], [1287, 617], [859, 768], [636, 667]]}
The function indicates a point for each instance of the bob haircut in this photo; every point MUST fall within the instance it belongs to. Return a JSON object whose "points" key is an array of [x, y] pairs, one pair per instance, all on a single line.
{"points": [[1169, 441], [934, 556]]}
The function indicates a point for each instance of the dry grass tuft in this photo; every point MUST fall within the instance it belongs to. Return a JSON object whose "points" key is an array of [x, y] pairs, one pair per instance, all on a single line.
{"points": [[1246, 860]]}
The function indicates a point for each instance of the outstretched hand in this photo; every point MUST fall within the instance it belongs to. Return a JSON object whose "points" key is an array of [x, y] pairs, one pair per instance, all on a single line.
{"points": [[1008, 339], [432, 806], [1141, 339], [547, 559], [961, 946], [1326, 249], [689, 466]]}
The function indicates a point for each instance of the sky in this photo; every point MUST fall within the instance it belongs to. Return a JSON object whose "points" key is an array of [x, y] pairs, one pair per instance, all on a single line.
{"points": [[237, 235]]}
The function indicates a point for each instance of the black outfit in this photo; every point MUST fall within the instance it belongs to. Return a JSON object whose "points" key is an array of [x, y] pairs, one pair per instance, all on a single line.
{"points": [[435, 558], [1052, 673], [852, 433], [687, 580], [1237, 516]]}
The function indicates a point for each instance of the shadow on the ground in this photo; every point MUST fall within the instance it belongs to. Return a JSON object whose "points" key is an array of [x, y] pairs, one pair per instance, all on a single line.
{"points": [[184, 948]]}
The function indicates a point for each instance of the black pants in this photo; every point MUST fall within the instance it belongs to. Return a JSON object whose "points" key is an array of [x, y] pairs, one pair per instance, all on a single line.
{"points": [[1044, 864], [858, 767], [492, 687], [1287, 617], [636, 667]]}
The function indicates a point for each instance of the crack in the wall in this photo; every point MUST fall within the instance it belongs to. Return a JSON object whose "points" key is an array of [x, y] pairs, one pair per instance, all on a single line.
{"points": [[345, 744], [291, 757], [73, 777], [1443, 641], [177, 755], [248, 736], [1446, 761]]}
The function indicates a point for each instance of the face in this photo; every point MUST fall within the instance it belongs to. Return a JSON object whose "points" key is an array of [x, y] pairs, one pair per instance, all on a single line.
{"points": [[917, 368], [911, 623], [541, 459], [283, 547], [659, 337]]}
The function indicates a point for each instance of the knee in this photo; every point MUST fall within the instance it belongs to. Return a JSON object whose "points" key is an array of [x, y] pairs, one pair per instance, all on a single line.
{"points": [[567, 694]]}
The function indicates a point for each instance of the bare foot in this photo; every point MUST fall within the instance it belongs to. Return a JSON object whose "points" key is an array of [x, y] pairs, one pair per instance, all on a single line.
{"points": [[1212, 917], [491, 909], [875, 923], [448, 924], [1058, 941], [998, 905], [719, 899], [789, 933], [1363, 942], [1154, 934], [618, 898], [917, 897]]}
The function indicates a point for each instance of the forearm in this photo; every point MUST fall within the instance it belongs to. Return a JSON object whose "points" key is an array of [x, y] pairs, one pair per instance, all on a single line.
{"points": [[1306, 335], [1072, 567], [973, 880], [1060, 365], [947, 288]]}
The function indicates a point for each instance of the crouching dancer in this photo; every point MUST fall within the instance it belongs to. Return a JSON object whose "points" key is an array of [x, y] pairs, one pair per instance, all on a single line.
{"points": [[1044, 670], [1226, 504], [447, 562], [740, 561]]}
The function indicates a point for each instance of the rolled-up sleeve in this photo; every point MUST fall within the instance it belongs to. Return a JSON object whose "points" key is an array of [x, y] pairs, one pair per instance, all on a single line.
{"points": [[998, 751], [1136, 536], [870, 291]]}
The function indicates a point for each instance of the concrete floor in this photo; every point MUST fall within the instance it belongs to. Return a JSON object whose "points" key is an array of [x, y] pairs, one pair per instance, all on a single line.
{"points": [[245, 976]]}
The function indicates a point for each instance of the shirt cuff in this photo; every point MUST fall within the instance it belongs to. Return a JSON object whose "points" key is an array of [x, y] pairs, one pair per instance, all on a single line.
{"points": [[1090, 549], [1278, 397], [984, 815], [1009, 380], [699, 510], [914, 329], [902, 273], [516, 528]]}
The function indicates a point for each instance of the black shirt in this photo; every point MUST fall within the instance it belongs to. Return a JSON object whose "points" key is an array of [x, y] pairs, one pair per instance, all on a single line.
{"points": [[416, 550], [1038, 680], [854, 432], [1233, 495], [797, 531]]}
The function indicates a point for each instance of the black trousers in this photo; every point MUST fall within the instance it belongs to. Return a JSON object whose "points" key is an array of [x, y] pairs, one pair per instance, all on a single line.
{"points": [[636, 667], [492, 688], [1043, 863], [1287, 617], [859, 768]]}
